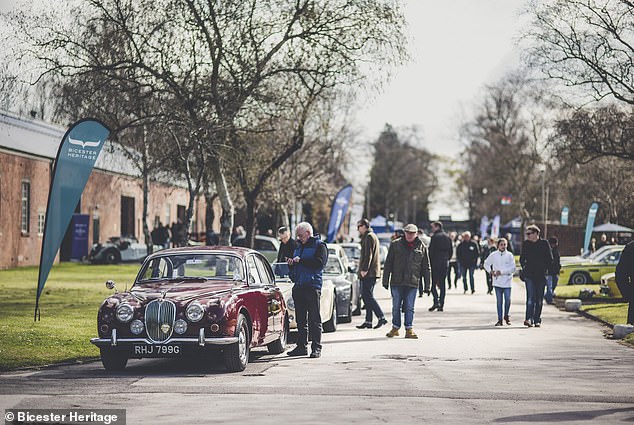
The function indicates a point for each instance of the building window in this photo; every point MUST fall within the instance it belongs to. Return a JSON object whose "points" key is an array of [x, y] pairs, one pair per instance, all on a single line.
{"points": [[41, 219], [26, 207]]}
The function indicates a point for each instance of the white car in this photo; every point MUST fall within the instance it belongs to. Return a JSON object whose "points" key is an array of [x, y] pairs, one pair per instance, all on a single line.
{"points": [[350, 273], [327, 304]]}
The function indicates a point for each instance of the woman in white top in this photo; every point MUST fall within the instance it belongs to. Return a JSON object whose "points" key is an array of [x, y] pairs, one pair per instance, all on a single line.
{"points": [[501, 265]]}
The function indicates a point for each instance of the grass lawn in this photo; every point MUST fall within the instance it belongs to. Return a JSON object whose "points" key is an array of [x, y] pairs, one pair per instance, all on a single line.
{"points": [[68, 306], [572, 291], [611, 313]]}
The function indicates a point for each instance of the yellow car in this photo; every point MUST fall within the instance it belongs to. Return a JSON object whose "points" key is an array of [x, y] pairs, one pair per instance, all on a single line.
{"points": [[590, 270]]}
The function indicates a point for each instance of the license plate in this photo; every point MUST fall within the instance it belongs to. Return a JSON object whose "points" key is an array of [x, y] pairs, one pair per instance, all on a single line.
{"points": [[158, 350]]}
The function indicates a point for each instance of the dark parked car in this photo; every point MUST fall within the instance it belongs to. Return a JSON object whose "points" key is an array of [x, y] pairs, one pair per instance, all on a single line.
{"points": [[118, 249], [188, 300]]}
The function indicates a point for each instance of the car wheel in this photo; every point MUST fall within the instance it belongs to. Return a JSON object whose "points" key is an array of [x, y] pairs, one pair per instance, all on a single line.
{"points": [[112, 257], [113, 361], [279, 345], [331, 324], [579, 278], [237, 355]]}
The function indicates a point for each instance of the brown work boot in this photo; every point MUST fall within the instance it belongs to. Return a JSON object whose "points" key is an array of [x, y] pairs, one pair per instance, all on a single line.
{"points": [[409, 333], [392, 333]]}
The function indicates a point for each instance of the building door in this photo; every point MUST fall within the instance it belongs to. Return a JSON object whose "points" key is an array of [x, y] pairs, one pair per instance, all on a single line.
{"points": [[127, 216]]}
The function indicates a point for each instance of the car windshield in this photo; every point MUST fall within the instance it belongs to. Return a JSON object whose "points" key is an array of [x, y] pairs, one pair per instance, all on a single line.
{"points": [[194, 265], [333, 266], [280, 270], [352, 252]]}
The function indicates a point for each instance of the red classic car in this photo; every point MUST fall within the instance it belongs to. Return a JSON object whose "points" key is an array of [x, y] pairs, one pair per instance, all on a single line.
{"points": [[187, 300]]}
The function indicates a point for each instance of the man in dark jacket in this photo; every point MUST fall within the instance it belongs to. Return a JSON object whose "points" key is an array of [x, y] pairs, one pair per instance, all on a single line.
{"points": [[486, 251], [440, 251], [625, 278], [369, 271], [406, 264], [305, 270], [287, 245], [468, 254], [536, 258]]}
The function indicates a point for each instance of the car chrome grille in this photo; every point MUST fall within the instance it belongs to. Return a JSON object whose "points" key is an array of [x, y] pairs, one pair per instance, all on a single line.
{"points": [[159, 320]]}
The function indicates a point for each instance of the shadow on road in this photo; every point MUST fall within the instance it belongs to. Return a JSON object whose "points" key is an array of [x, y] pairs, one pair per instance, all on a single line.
{"points": [[566, 416]]}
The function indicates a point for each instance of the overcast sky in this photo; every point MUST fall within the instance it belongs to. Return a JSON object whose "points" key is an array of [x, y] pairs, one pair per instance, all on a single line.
{"points": [[458, 46]]}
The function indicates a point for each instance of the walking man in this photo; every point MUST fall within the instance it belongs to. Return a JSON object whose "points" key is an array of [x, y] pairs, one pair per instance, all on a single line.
{"points": [[468, 254], [440, 250], [287, 245], [406, 264], [486, 251], [305, 270], [625, 278], [500, 264], [369, 271], [552, 278], [536, 258], [453, 261]]}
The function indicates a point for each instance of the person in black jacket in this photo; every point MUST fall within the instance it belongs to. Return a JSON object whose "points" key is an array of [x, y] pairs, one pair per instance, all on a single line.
{"points": [[625, 278], [486, 251], [287, 245], [468, 254], [440, 250], [552, 278], [536, 258]]}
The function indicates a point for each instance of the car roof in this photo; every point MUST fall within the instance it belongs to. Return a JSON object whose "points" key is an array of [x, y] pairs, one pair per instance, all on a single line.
{"points": [[235, 250]]}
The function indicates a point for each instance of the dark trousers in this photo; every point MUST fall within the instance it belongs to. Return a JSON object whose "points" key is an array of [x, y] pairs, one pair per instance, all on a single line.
{"points": [[627, 290], [534, 298], [489, 282], [438, 273], [453, 265], [307, 315], [367, 293], [463, 271]]}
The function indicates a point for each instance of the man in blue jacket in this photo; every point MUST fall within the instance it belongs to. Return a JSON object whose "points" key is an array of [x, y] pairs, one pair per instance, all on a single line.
{"points": [[305, 269]]}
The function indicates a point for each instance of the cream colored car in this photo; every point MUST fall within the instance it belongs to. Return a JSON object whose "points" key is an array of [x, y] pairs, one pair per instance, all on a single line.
{"points": [[327, 304]]}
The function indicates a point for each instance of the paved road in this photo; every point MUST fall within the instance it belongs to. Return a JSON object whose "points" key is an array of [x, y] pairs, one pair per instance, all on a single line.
{"points": [[461, 370]]}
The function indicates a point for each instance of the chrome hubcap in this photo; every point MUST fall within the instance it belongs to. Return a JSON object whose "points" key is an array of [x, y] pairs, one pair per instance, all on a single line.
{"points": [[242, 345]]}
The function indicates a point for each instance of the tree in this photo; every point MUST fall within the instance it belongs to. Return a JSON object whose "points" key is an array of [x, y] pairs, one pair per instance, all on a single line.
{"points": [[505, 142], [587, 44], [402, 175], [590, 134]]}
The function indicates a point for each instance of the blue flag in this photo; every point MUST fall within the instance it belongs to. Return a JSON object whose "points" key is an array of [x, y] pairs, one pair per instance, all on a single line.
{"points": [[564, 216], [592, 213], [338, 212], [75, 159]]}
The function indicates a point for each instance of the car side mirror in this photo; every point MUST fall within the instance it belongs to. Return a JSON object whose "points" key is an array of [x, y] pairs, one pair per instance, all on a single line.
{"points": [[110, 285], [351, 269]]}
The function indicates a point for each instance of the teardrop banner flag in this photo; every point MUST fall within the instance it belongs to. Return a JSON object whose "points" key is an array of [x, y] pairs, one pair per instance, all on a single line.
{"points": [[592, 213], [75, 160], [338, 212], [564, 216], [495, 227]]}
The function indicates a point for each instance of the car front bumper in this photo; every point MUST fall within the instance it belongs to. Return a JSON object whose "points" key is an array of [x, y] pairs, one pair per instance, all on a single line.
{"points": [[201, 341]]}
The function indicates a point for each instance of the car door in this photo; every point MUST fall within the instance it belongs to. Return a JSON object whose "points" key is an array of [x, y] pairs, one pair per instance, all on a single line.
{"points": [[273, 296]]}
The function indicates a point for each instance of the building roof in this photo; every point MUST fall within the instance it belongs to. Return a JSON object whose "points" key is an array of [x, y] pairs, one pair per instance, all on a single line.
{"points": [[37, 138]]}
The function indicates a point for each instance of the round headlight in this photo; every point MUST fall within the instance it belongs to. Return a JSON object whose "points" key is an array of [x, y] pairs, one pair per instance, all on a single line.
{"points": [[136, 327], [180, 326], [290, 303], [125, 312], [195, 312]]}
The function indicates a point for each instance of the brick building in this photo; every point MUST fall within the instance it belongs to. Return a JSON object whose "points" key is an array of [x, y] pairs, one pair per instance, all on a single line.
{"points": [[113, 197]]}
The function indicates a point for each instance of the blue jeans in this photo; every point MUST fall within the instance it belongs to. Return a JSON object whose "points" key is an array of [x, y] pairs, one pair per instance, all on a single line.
{"points": [[463, 272], [403, 298], [367, 293], [506, 294], [551, 284], [534, 298]]}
